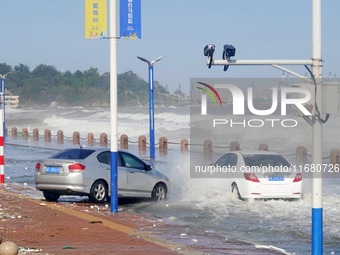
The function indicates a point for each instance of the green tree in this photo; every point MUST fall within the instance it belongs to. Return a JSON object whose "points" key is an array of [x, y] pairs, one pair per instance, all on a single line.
{"points": [[4, 69], [45, 84]]}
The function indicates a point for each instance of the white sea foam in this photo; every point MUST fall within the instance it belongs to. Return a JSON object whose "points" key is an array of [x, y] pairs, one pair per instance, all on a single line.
{"points": [[97, 121]]}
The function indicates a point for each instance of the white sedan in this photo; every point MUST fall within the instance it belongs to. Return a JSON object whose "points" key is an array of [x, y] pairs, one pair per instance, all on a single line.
{"points": [[261, 175]]}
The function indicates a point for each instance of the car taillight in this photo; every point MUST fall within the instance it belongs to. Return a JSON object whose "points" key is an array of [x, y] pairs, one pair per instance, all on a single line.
{"points": [[76, 167], [37, 167], [298, 177], [251, 177]]}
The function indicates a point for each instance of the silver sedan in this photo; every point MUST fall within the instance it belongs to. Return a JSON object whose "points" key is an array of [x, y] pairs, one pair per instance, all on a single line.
{"points": [[86, 172]]}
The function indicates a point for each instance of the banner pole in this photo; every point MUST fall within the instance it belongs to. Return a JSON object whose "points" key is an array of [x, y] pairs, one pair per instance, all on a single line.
{"points": [[113, 106]]}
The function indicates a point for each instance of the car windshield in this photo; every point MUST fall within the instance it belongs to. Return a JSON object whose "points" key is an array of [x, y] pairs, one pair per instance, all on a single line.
{"points": [[73, 154], [265, 160]]}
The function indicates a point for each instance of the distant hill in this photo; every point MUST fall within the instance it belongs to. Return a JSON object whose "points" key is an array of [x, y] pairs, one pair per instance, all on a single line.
{"points": [[45, 85]]}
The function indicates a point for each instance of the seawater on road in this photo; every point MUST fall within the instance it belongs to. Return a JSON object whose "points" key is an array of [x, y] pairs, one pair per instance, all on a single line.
{"points": [[162, 236], [206, 208]]}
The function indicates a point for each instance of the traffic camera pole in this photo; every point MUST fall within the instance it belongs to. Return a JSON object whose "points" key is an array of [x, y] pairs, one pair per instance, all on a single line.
{"points": [[317, 201], [317, 140]]}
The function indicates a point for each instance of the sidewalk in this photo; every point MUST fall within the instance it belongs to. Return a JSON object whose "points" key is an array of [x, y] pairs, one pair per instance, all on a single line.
{"points": [[85, 228]]}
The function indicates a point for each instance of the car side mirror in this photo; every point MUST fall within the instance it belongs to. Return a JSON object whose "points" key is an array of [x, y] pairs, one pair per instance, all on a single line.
{"points": [[148, 168]]}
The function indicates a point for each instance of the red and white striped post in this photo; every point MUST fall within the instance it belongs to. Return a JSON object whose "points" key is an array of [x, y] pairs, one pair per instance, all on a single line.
{"points": [[2, 157]]}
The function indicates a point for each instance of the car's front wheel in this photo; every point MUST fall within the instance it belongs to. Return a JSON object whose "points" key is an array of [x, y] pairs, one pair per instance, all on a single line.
{"points": [[98, 192], [51, 196], [159, 192]]}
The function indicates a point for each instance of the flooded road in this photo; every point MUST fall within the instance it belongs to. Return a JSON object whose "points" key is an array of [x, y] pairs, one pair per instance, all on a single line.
{"points": [[206, 207]]}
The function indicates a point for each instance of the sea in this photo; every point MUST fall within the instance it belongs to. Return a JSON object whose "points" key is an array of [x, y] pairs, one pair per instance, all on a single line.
{"points": [[205, 203]]}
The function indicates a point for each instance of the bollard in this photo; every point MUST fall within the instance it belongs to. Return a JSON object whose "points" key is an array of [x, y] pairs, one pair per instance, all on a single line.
{"points": [[184, 145], [90, 139], [60, 137], [163, 145], [263, 147], [335, 153], [9, 248], [76, 137], [301, 156], [14, 133], [142, 143], [47, 136], [207, 148], [103, 140], [124, 142], [36, 134], [24, 133], [234, 146]]}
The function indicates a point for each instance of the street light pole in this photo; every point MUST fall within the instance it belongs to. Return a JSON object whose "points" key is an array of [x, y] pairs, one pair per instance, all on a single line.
{"points": [[3, 91], [151, 103]]}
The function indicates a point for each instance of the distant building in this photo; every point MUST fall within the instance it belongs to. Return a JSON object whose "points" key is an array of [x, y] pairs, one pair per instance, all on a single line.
{"points": [[10, 99]]}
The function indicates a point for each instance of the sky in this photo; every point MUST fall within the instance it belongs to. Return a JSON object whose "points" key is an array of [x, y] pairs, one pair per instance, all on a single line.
{"points": [[51, 32]]}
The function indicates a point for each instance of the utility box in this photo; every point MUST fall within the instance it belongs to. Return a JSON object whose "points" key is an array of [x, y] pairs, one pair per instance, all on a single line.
{"points": [[330, 98]]}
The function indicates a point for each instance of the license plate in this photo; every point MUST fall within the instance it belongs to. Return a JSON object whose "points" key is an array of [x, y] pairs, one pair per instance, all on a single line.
{"points": [[53, 169], [276, 178]]}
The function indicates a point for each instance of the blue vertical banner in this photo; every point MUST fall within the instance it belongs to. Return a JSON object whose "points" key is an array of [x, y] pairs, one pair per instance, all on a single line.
{"points": [[130, 19]]}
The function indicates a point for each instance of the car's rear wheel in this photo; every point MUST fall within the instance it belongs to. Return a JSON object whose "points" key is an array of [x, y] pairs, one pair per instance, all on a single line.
{"points": [[98, 192], [51, 196], [234, 190], [159, 192]]}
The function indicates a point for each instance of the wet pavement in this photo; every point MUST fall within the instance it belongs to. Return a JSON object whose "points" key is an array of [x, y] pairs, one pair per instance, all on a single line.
{"points": [[80, 227]]}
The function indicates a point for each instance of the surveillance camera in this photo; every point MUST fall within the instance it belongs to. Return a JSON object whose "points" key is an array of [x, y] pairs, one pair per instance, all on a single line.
{"points": [[209, 50], [228, 51]]}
